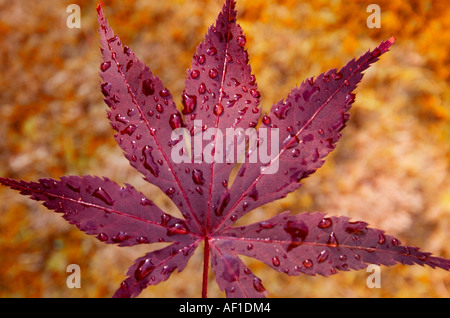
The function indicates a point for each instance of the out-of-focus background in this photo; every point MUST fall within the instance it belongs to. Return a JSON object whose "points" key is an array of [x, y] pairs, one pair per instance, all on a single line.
{"points": [[391, 168]]}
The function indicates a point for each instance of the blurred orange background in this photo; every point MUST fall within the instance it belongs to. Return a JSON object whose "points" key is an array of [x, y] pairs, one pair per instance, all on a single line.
{"points": [[391, 168]]}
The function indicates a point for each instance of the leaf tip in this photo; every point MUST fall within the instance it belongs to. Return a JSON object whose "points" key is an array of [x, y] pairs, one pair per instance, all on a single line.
{"points": [[99, 7]]}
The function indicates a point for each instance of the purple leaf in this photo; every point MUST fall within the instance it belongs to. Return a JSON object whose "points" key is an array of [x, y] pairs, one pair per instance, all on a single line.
{"points": [[220, 93], [313, 243], [116, 215], [219, 115], [156, 267], [143, 114]]}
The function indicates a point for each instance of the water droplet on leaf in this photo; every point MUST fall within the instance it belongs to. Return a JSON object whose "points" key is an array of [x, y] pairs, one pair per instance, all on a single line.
{"points": [[307, 263], [213, 73], [175, 121], [189, 103], [325, 223], [101, 194], [148, 87], [144, 269], [105, 65]]}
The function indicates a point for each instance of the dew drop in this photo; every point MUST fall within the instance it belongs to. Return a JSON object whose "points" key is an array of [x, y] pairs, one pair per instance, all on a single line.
{"points": [[102, 237], [120, 237], [144, 269], [406, 251], [223, 204], [124, 285], [325, 223], [197, 176], [257, 284], [266, 120], [275, 261], [106, 89], [175, 121], [189, 103], [337, 76], [201, 59], [350, 98], [142, 240], [241, 40], [381, 238], [170, 191], [195, 74], [322, 256], [281, 110], [266, 225], [146, 202], [298, 230], [202, 88], [332, 240], [126, 50], [148, 88], [113, 39], [101, 194], [178, 228], [211, 51], [131, 112], [105, 65], [218, 109], [129, 130], [164, 92], [255, 93], [129, 65], [307, 263], [296, 153], [165, 218], [149, 161], [213, 73]]}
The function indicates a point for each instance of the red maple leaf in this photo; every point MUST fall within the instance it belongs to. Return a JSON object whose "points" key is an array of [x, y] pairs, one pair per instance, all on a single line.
{"points": [[221, 101]]}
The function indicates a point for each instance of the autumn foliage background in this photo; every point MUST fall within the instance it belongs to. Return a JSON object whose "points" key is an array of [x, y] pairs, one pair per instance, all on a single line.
{"points": [[391, 168]]}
